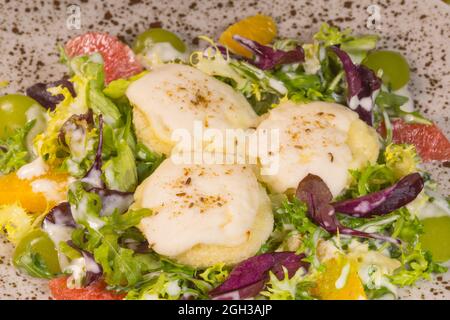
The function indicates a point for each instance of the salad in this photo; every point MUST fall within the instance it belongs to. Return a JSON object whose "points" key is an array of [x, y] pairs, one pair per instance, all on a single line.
{"points": [[92, 200]]}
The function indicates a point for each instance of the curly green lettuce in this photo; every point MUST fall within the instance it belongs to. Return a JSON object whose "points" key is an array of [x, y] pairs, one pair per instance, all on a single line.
{"points": [[402, 159], [294, 231], [15, 222], [215, 274], [294, 288], [417, 264], [13, 150]]}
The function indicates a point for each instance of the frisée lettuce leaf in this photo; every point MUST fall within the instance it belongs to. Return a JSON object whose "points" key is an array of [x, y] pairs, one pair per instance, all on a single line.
{"points": [[13, 150], [294, 288], [15, 222]]}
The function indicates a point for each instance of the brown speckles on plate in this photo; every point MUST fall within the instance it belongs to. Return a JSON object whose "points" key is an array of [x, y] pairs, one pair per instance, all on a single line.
{"points": [[31, 30]]}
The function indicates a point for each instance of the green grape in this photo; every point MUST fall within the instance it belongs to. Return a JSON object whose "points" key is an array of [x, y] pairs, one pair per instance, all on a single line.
{"points": [[394, 65], [436, 237], [36, 255], [146, 39], [14, 113]]}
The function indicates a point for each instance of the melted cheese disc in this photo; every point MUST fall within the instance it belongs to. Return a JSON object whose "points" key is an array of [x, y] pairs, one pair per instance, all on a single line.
{"points": [[324, 139], [174, 96], [204, 214]]}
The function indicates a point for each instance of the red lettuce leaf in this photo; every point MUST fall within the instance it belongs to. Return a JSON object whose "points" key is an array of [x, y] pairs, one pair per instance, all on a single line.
{"points": [[361, 84], [266, 57], [49, 101], [315, 193], [249, 277], [383, 201]]}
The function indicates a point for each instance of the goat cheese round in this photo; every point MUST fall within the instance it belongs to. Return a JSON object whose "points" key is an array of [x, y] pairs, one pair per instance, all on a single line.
{"points": [[175, 96], [204, 214], [325, 139]]}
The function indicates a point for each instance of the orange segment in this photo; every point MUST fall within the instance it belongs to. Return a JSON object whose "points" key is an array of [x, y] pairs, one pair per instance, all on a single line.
{"points": [[258, 28], [15, 190], [340, 281]]}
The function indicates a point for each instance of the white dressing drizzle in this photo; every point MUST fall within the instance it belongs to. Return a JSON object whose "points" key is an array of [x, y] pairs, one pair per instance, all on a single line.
{"points": [[33, 169], [342, 280]]}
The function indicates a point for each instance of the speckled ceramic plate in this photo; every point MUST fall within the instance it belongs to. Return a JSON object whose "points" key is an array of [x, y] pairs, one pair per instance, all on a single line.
{"points": [[30, 31]]}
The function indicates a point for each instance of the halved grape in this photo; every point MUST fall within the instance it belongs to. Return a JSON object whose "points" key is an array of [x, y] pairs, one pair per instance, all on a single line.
{"points": [[146, 39], [394, 65], [15, 111], [436, 237], [36, 255]]}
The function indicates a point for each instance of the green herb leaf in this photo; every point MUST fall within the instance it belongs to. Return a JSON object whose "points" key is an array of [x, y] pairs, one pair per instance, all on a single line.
{"points": [[392, 104]]}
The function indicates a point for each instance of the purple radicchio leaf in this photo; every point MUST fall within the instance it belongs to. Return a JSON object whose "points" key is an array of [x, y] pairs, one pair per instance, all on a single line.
{"points": [[94, 175], [111, 199], [93, 270], [49, 101], [249, 277], [383, 201], [361, 85], [266, 57], [315, 193], [61, 215]]}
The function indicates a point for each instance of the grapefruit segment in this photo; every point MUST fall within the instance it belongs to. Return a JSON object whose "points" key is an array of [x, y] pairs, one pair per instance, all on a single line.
{"points": [[431, 144], [95, 291], [119, 59]]}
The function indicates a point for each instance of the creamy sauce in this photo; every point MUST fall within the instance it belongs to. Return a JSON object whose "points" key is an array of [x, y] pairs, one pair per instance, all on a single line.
{"points": [[278, 85], [113, 202], [374, 267], [77, 271], [354, 102], [57, 233], [342, 280], [76, 143], [173, 289], [94, 178], [366, 103], [33, 169], [49, 188], [161, 52], [80, 213]]}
